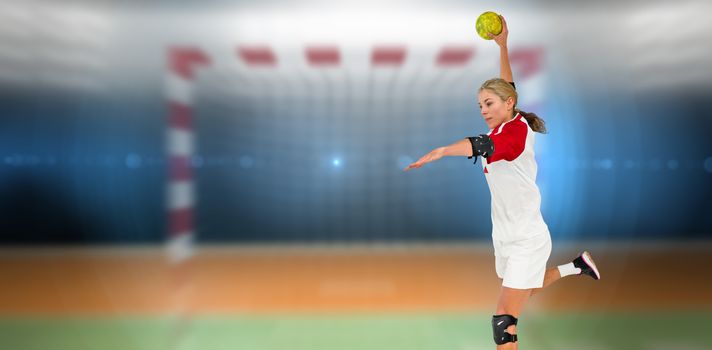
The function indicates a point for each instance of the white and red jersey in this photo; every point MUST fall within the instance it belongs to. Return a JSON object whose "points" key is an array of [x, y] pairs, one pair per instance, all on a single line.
{"points": [[511, 177]]}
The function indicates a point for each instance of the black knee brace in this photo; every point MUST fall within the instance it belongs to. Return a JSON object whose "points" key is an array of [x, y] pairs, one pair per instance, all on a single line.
{"points": [[499, 328]]}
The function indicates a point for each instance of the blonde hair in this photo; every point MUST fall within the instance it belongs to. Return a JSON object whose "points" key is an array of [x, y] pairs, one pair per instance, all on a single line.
{"points": [[505, 90]]}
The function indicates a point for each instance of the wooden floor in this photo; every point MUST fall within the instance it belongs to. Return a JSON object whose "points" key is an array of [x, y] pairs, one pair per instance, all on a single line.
{"points": [[332, 279]]}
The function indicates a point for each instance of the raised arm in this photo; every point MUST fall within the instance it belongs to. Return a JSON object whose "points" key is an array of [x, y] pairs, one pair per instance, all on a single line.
{"points": [[501, 39]]}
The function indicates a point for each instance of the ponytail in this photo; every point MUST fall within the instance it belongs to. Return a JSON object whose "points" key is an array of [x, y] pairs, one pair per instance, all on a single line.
{"points": [[537, 124]]}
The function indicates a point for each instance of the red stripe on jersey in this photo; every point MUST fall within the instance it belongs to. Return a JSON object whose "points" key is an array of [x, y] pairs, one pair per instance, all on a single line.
{"points": [[182, 61], [323, 56], [388, 56], [257, 56], [509, 142]]}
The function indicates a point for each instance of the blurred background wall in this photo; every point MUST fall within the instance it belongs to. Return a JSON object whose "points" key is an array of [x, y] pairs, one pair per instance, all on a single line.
{"points": [[291, 151]]}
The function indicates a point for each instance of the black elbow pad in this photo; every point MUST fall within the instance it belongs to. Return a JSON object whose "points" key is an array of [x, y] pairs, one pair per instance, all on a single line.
{"points": [[482, 145]]}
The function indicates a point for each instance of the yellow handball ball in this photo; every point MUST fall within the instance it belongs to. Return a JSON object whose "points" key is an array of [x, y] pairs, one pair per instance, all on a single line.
{"points": [[488, 22]]}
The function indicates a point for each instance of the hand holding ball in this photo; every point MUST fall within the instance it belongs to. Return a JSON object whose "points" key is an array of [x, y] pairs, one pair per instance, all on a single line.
{"points": [[488, 22]]}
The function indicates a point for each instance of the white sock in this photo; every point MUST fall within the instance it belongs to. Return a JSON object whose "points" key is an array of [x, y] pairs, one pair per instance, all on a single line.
{"points": [[568, 269]]}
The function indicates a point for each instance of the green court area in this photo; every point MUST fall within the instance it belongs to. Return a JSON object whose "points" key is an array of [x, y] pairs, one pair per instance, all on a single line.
{"points": [[368, 331]]}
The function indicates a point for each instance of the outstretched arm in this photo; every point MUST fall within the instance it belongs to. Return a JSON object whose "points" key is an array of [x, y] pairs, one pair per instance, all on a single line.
{"points": [[459, 148], [501, 40]]}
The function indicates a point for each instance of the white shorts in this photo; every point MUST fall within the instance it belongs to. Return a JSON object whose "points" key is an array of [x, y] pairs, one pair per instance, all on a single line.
{"points": [[522, 264]]}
